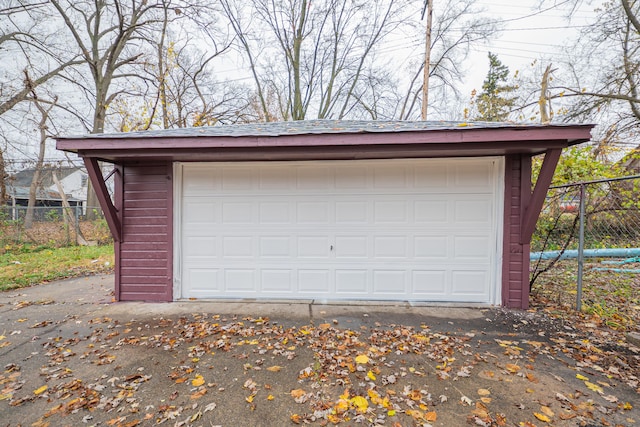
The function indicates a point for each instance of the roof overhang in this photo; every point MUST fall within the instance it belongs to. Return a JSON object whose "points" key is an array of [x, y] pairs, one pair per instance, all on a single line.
{"points": [[325, 140]]}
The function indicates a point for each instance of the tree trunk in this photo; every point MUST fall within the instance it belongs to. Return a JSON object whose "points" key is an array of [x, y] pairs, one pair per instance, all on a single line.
{"points": [[4, 198], [35, 181]]}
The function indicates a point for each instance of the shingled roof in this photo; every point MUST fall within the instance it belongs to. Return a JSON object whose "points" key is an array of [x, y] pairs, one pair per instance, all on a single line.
{"points": [[314, 127]]}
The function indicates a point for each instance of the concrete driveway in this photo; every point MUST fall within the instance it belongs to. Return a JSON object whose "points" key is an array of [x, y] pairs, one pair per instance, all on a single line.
{"points": [[71, 356]]}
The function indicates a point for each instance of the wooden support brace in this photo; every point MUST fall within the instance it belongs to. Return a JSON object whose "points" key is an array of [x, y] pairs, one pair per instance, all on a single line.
{"points": [[536, 201], [110, 213]]}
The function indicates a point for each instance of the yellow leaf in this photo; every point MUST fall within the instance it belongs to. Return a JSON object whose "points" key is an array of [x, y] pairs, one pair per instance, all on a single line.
{"points": [[542, 417], [270, 397], [40, 390], [547, 411], [581, 377], [371, 376], [512, 368], [297, 419], [627, 406], [391, 412], [362, 359], [594, 387], [198, 381], [360, 403], [249, 398], [342, 406], [483, 392], [274, 368], [6, 396]]}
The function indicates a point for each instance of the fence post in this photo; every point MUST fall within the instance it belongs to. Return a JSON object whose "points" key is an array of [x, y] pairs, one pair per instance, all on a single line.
{"points": [[77, 221], [580, 248]]}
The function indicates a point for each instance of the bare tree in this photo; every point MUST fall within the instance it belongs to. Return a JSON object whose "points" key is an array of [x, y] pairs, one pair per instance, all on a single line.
{"points": [[457, 28], [31, 59], [107, 34], [44, 109], [311, 58], [601, 76]]}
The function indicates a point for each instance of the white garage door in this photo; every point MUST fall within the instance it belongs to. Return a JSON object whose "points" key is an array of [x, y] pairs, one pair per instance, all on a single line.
{"points": [[418, 230]]}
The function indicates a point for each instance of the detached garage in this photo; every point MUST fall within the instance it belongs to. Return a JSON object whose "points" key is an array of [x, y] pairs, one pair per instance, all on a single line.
{"points": [[326, 210]]}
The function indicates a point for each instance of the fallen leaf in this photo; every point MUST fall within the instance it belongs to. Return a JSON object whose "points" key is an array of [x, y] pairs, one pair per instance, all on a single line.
{"points": [[40, 390], [512, 368], [541, 417], [594, 387], [197, 381], [275, 368], [297, 393], [362, 359], [547, 411], [360, 403], [483, 392], [431, 416]]}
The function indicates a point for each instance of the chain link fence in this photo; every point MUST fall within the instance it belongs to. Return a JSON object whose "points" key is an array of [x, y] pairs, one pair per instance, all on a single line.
{"points": [[55, 226], [588, 235]]}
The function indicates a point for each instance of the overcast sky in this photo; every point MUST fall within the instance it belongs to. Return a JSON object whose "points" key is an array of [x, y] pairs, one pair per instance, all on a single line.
{"points": [[530, 33]]}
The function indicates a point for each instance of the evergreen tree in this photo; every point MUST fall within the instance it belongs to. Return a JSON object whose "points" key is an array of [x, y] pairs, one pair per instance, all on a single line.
{"points": [[495, 102]]}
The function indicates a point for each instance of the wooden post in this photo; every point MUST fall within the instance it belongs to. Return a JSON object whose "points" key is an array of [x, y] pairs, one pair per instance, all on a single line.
{"points": [[427, 60]]}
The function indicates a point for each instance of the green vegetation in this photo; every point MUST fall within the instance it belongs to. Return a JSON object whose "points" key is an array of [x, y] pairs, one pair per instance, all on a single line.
{"points": [[609, 299], [26, 265]]}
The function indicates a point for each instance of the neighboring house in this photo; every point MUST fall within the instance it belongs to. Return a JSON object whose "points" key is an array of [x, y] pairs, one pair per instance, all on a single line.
{"points": [[73, 180], [326, 210]]}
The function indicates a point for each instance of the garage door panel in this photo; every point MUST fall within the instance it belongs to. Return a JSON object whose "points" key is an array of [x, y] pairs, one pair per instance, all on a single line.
{"points": [[237, 247], [431, 246], [237, 179], [471, 248], [351, 213], [432, 177], [275, 213], [381, 230], [351, 283], [351, 247], [312, 212], [314, 281], [241, 280], [313, 246], [475, 175], [200, 247], [390, 211], [276, 281], [429, 283], [199, 212], [473, 211], [201, 181], [431, 211], [237, 212], [390, 247], [275, 247], [469, 282], [204, 280], [389, 282], [351, 177]]}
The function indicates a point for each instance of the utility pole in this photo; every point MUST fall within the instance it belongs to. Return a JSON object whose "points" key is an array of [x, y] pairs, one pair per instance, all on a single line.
{"points": [[428, 8]]}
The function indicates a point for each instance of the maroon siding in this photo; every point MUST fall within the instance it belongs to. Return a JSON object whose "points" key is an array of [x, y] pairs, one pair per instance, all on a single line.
{"points": [[515, 259], [145, 255]]}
